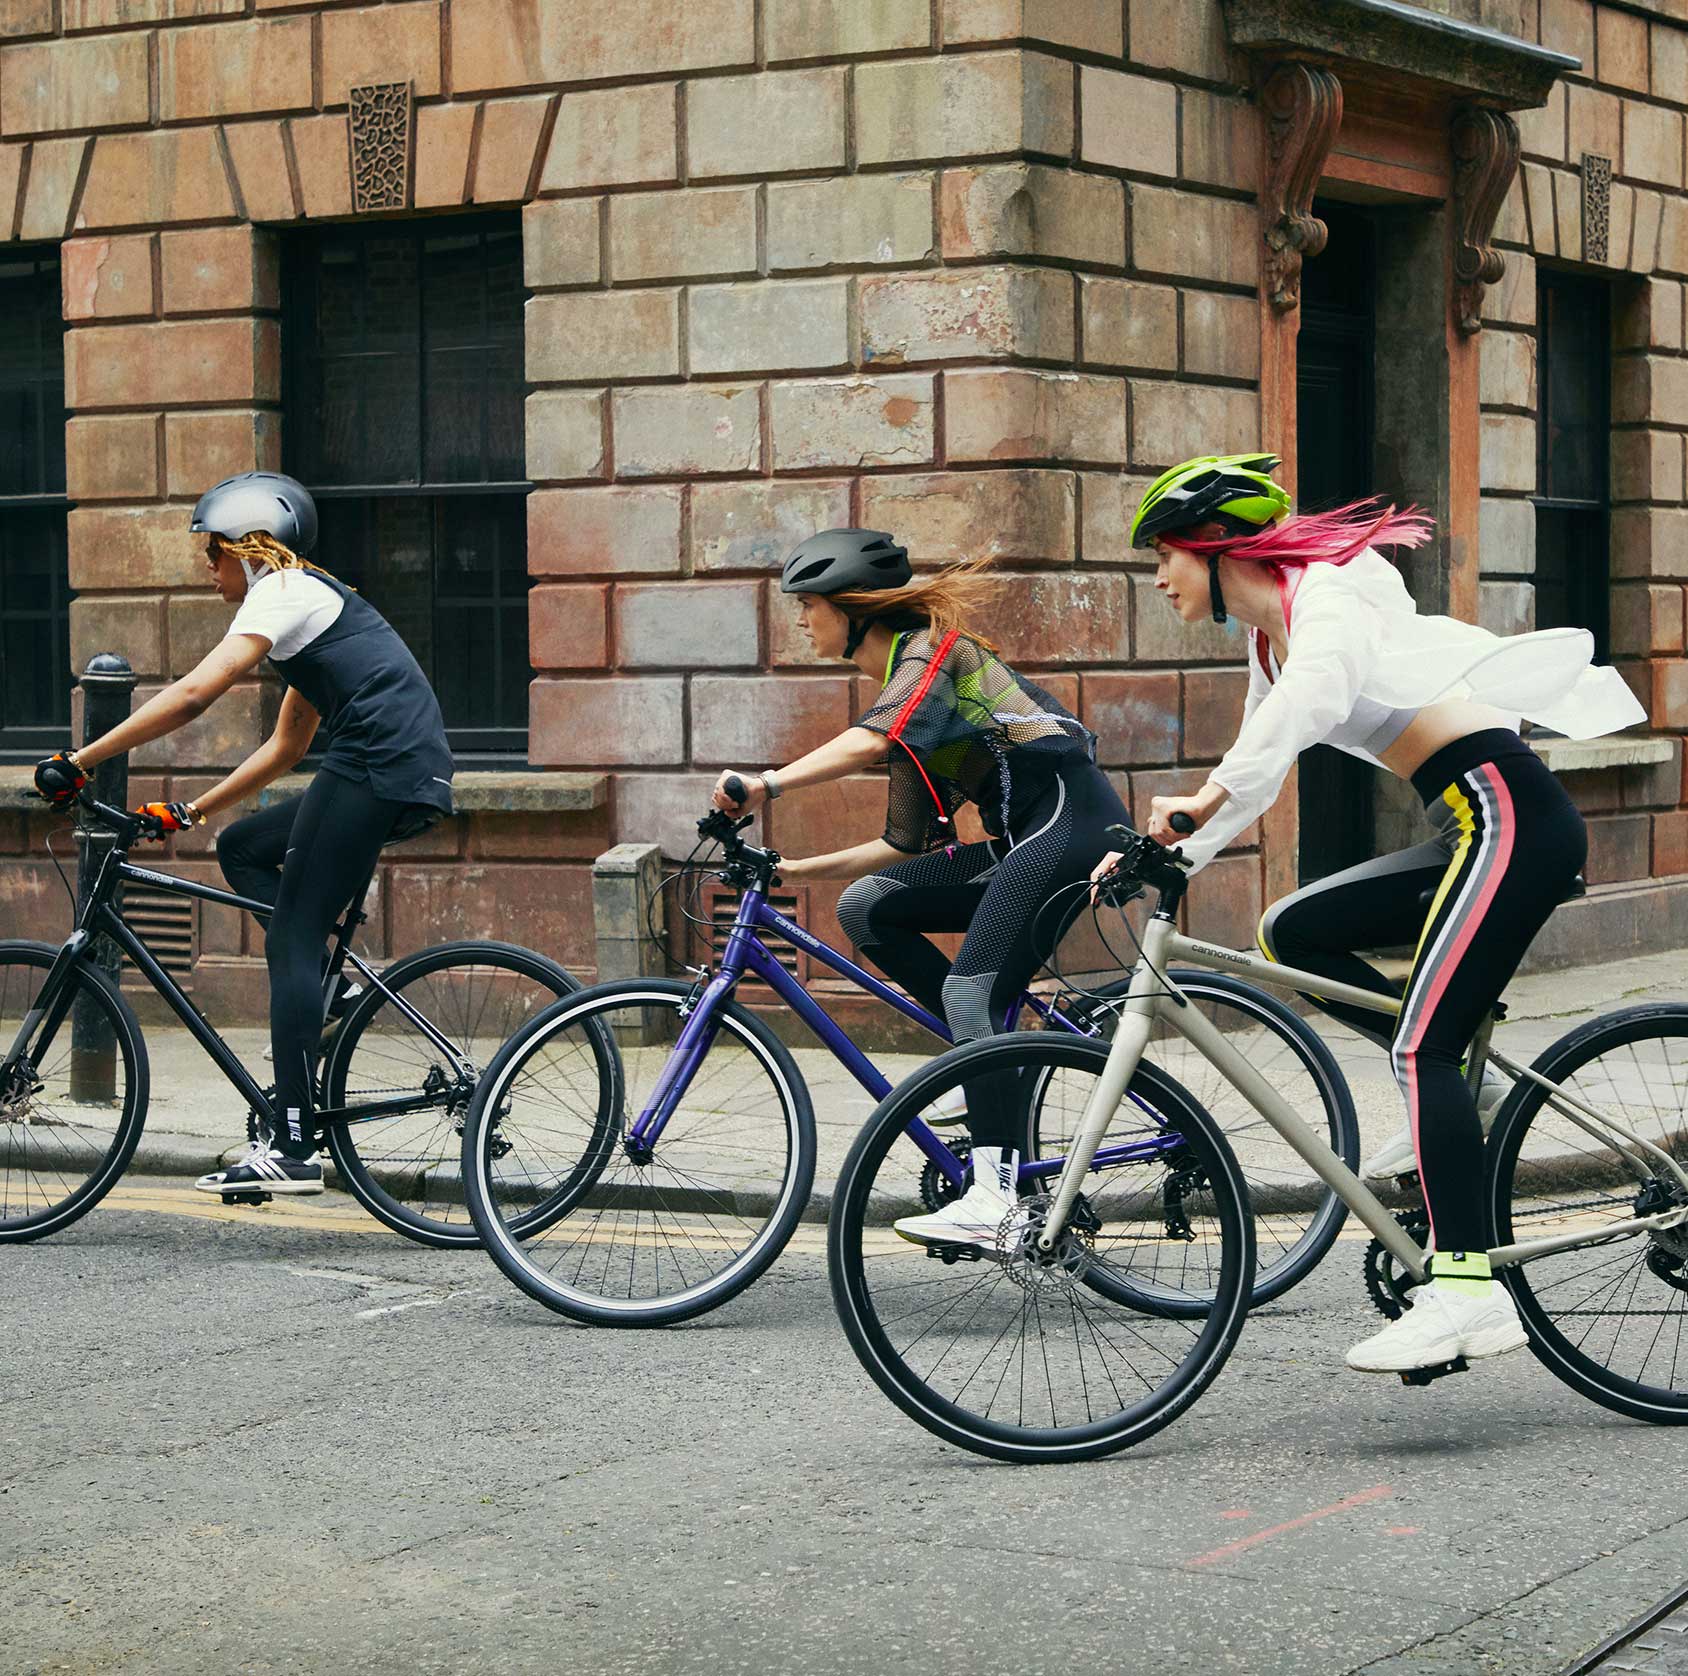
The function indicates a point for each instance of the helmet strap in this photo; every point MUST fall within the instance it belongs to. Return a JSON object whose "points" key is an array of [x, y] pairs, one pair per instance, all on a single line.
{"points": [[252, 571], [858, 633], [1215, 592]]}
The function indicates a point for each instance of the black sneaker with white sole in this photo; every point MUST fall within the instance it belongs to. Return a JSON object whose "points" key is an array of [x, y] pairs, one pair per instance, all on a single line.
{"points": [[263, 1169]]}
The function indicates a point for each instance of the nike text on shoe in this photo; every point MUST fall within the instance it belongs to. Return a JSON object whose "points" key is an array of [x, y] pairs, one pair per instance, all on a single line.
{"points": [[1440, 1325], [265, 1170], [973, 1219]]}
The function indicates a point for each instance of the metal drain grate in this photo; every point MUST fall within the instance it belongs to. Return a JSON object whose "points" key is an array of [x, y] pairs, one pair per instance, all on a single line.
{"points": [[163, 922]]}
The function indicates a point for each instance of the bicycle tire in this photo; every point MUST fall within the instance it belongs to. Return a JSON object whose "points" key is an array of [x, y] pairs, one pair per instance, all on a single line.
{"points": [[108, 1152], [856, 1236], [1533, 1155]]}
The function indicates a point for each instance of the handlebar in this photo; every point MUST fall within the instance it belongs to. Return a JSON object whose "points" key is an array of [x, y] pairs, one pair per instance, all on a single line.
{"points": [[1144, 861], [128, 824], [745, 863]]}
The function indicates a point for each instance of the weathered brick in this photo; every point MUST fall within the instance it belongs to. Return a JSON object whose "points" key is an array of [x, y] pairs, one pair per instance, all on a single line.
{"points": [[112, 458], [133, 621], [1221, 138], [1621, 49], [1129, 122], [510, 133], [1087, 25], [568, 626], [1672, 252], [1184, 233], [1508, 452], [1649, 541], [172, 363], [967, 313], [198, 621], [1670, 844], [678, 235], [550, 906], [604, 532], [849, 220], [627, 136], [1183, 35], [1221, 335], [106, 278], [1541, 132], [779, 122], [1064, 618], [380, 43], [971, 104], [1012, 413], [11, 176], [560, 243], [443, 137], [676, 430], [1106, 502], [1648, 315], [741, 719], [1646, 465], [565, 435], [881, 421], [35, 17], [753, 526], [1171, 422], [625, 722], [322, 147], [1160, 635], [234, 69], [1538, 197], [114, 14], [588, 337], [513, 43], [1594, 122], [49, 86], [688, 625], [1506, 536], [1647, 619], [134, 547], [844, 28], [225, 734], [1670, 55], [1568, 26], [1506, 607], [1125, 324], [219, 270], [1511, 301], [1619, 847], [1134, 715], [1652, 143], [1024, 517], [769, 327], [260, 165], [203, 448], [664, 809], [54, 166], [1213, 711], [1508, 375], [1028, 209], [1226, 907]]}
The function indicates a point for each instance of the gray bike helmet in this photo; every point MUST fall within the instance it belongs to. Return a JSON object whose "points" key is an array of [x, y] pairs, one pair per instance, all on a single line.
{"points": [[259, 500], [836, 561]]}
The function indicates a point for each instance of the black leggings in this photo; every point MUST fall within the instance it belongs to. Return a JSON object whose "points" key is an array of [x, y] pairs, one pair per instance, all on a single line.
{"points": [[996, 892], [1508, 844], [307, 857]]}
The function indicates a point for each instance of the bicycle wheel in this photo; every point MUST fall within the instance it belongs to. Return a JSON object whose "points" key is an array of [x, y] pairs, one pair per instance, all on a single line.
{"points": [[405, 1170], [1048, 1360], [68, 1124], [1296, 1215], [1610, 1319], [661, 1232]]}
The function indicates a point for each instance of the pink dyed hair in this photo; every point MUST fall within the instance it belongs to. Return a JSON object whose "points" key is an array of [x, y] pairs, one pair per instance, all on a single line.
{"points": [[1332, 537]]}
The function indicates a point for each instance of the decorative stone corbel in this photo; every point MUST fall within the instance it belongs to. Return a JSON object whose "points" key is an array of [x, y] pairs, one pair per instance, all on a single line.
{"points": [[381, 120], [1485, 154], [1303, 106]]}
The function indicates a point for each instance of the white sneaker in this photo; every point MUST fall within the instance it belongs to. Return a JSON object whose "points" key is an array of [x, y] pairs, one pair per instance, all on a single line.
{"points": [[1440, 1324], [973, 1219], [263, 1169], [949, 1108], [1396, 1156]]}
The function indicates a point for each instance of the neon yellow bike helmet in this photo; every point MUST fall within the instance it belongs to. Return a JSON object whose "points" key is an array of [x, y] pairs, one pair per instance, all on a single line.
{"points": [[1233, 490]]}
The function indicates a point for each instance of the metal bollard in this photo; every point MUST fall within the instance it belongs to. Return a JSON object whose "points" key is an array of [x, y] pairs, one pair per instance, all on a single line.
{"points": [[108, 685]]}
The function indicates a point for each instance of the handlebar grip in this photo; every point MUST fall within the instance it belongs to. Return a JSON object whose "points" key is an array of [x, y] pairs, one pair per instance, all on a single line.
{"points": [[735, 789], [1182, 823]]}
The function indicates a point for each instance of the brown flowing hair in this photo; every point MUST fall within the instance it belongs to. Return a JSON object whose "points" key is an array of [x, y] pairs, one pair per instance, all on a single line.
{"points": [[941, 602], [260, 548]]}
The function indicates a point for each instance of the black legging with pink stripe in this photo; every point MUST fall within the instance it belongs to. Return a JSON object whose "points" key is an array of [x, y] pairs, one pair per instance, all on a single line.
{"points": [[1507, 846]]}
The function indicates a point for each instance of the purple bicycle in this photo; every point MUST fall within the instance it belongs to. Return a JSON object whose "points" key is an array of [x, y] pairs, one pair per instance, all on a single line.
{"points": [[643, 1151]]}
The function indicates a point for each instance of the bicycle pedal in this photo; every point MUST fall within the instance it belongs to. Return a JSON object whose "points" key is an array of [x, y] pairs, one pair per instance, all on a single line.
{"points": [[1441, 1370], [247, 1198], [955, 1253]]}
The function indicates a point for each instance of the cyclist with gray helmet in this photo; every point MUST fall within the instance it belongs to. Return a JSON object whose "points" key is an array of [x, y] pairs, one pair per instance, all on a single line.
{"points": [[956, 725], [385, 771]]}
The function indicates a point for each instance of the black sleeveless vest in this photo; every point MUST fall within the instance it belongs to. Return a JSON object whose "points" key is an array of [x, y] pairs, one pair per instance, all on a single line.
{"points": [[380, 718]]}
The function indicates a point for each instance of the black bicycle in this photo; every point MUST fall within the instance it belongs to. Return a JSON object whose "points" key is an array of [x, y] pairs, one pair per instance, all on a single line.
{"points": [[397, 1072]]}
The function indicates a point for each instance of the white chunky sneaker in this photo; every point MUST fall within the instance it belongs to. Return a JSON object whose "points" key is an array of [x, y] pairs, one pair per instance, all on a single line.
{"points": [[1442, 1323], [949, 1108], [973, 1219], [1396, 1156]]}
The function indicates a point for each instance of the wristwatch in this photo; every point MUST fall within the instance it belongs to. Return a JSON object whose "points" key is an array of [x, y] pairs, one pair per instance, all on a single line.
{"points": [[770, 784]]}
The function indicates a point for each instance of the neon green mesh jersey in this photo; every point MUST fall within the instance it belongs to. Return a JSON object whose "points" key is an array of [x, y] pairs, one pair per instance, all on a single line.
{"points": [[964, 728]]}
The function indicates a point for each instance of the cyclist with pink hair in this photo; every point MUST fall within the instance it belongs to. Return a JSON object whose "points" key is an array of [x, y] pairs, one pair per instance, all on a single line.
{"points": [[1338, 654]]}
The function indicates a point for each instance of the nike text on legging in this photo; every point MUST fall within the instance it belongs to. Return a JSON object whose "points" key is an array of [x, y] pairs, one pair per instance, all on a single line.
{"points": [[308, 857], [1507, 846], [996, 892]]}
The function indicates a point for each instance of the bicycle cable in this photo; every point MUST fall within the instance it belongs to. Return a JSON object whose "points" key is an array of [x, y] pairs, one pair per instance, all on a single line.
{"points": [[58, 866]]}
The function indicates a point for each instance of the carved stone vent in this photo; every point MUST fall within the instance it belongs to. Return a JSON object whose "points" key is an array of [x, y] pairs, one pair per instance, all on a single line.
{"points": [[382, 125], [1597, 207]]}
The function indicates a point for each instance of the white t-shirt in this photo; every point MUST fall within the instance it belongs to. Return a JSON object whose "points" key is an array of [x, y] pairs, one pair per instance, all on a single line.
{"points": [[288, 608]]}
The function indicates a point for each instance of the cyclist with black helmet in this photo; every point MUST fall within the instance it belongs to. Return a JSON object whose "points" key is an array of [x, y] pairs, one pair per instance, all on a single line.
{"points": [[1338, 654], [385, 771], [956, 725]]}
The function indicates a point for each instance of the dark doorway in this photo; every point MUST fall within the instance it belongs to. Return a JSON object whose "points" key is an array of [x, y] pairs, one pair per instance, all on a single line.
{"points": [[1335, 420]]}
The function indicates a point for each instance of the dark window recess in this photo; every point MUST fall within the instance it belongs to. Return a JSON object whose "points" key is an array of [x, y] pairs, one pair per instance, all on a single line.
{"points": [[1335, 414], [1573, 569], [403, 397], [35, 676]]}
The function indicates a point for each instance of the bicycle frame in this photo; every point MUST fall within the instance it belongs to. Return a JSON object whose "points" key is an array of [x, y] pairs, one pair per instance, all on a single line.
{"points": [[1154, 997], [745, 952]]}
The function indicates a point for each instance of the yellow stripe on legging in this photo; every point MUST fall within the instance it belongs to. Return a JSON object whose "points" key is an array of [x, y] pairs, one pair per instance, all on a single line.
{"points": [[1461, 806]]}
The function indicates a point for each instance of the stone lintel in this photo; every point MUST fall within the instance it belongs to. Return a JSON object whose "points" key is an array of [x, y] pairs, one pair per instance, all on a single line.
{"points": [[491, 791]]}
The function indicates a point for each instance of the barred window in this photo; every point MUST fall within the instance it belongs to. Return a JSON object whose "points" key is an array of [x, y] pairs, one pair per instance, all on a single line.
{"points": [[35, 676], [403, 404]]}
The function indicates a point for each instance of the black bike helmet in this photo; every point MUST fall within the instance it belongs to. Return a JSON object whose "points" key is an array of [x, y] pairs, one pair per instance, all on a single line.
{"points": [[840, 561], [259, 500]]}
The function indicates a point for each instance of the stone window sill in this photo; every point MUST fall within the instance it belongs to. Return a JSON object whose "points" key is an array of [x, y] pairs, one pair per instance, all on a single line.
{"points": [[1576, 756]]}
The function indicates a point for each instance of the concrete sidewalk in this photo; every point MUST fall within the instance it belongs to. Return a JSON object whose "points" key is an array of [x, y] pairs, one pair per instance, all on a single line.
{"points": [[196, 1117]]}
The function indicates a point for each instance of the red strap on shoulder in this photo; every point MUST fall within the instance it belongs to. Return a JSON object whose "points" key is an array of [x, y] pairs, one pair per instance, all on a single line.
{"points": [[914, 699], [1262, 654]]}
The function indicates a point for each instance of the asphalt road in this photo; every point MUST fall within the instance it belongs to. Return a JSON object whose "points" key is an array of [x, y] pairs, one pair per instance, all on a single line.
{"points": [[285, 1440]]}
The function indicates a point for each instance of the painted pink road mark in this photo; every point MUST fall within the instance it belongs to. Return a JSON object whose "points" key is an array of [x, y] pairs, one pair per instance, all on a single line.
{"points": [[1403, 1530], [1237, 1513], [1378, 1492]]}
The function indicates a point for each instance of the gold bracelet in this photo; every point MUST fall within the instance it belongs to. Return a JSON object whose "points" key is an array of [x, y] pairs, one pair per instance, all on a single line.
{"points": [[199, 818], [75, 762]]}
